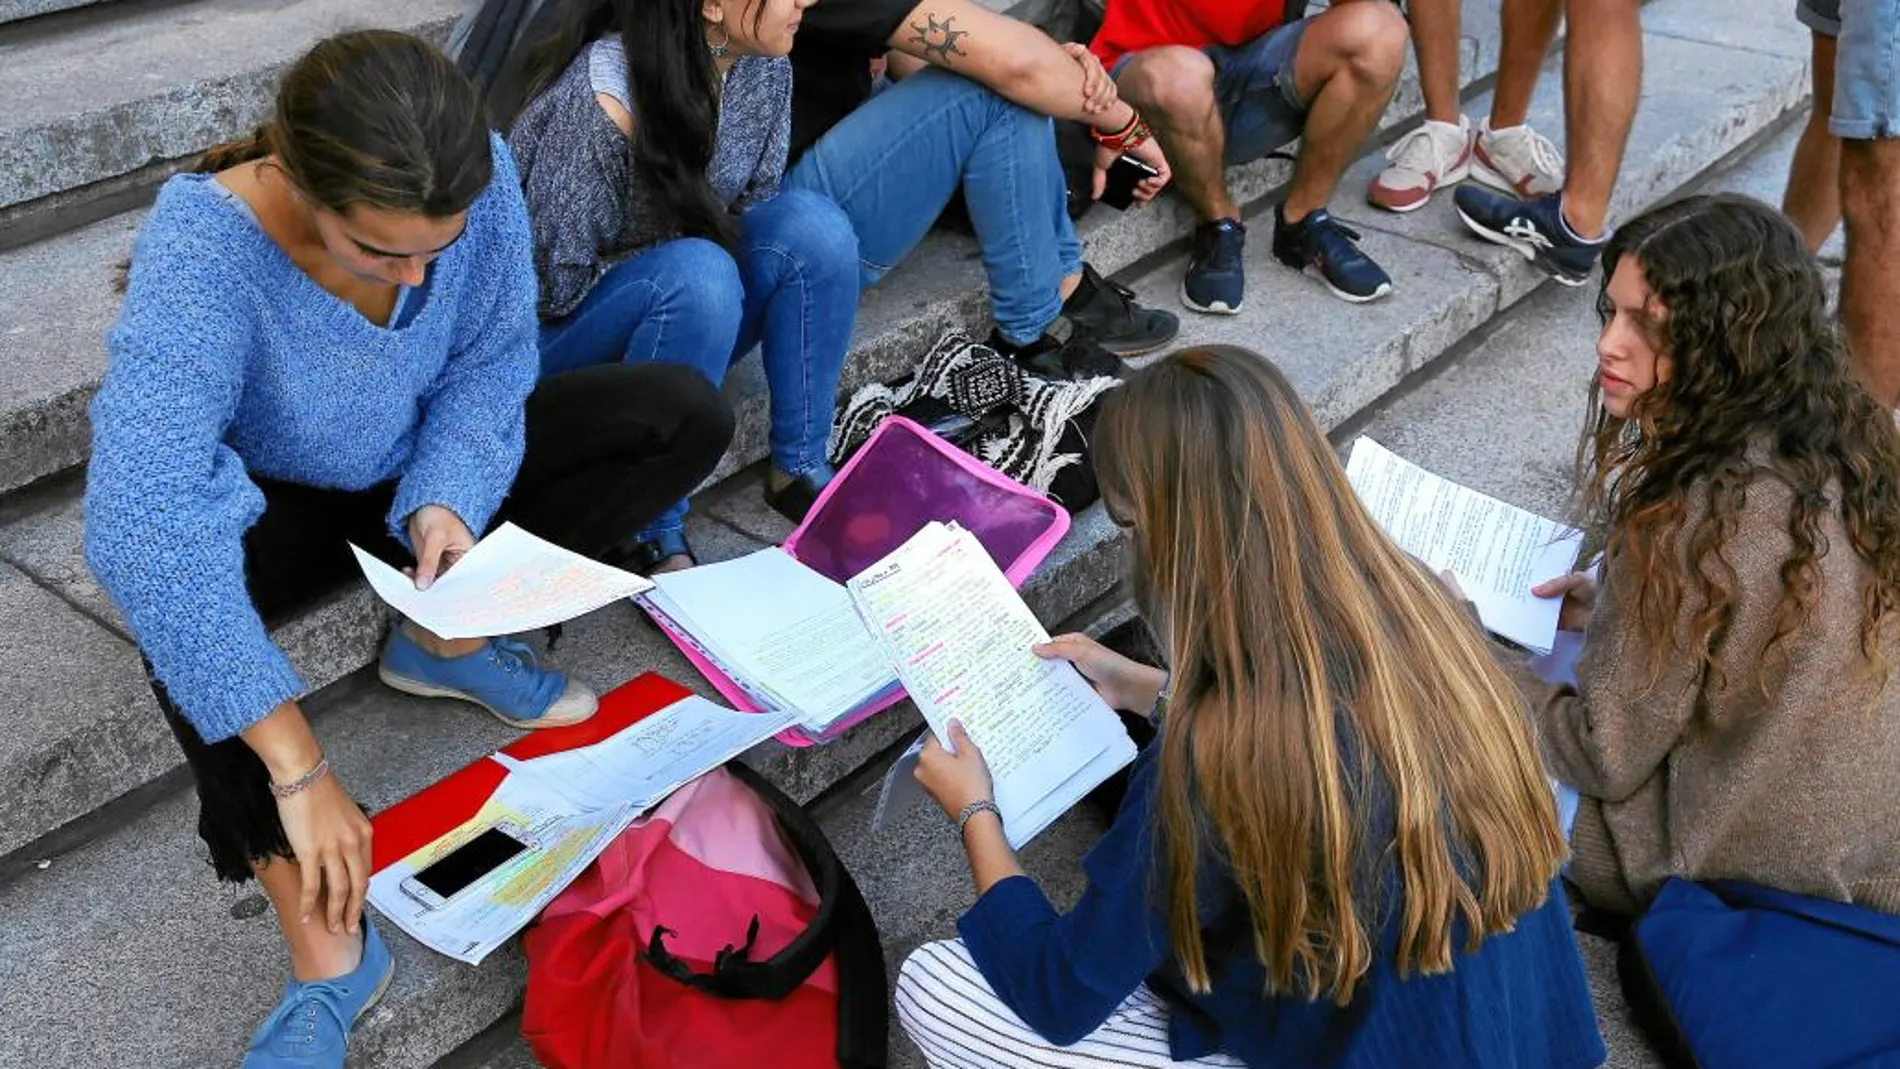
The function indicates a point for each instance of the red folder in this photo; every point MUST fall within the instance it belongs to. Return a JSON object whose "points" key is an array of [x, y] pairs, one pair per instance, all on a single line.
{"points": [[439, 808]]}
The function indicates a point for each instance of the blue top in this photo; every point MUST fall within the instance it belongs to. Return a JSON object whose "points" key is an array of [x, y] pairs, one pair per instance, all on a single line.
{"points": [[228, 361], [1519, 1001]]}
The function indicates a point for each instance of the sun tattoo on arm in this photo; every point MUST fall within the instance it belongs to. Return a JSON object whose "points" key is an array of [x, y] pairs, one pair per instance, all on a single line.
{"points": [[939, 39]]}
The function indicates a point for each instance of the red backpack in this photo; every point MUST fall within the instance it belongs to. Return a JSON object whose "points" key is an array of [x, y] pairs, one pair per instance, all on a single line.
{"points": [[718, 932]]}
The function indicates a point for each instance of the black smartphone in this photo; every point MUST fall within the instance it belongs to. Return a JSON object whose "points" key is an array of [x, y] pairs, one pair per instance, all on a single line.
{"points": [[1124, 175], [455, 871]]}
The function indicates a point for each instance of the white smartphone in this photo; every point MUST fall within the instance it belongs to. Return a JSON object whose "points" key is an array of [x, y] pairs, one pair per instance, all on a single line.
{"points": [[456, 871]]}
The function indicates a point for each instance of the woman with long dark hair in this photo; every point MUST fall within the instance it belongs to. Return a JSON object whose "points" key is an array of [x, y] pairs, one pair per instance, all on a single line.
{"points": [[1340, 850], [1735, 715], [651, 147], [329, 337]]}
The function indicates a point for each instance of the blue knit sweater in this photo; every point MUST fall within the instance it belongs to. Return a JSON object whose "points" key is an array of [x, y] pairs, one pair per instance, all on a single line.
{"points": [[228, 361], [1519, 1002]]}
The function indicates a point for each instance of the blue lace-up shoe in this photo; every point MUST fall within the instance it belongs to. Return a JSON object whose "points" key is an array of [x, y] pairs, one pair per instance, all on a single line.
{"points": [[502, 677], [1216, 278], [310, 1028], [1535, 228], [1323, 247]]}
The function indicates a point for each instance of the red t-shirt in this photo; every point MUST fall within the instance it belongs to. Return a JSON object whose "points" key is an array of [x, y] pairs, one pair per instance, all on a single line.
{"points": [[1132, 25]]}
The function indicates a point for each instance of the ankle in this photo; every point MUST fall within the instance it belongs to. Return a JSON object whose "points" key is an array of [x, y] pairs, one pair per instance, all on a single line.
{"points": [[317, 954], [436, 646], [1587, 228]]}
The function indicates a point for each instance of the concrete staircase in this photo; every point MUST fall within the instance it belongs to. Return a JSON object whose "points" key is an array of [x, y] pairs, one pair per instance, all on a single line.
{"points": [[117, 948]]}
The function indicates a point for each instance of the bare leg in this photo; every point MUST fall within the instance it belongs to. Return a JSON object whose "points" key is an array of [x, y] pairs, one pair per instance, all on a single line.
{"points": [[1435, 28], [441, 647], [1529, 26], [1813, 198], [1603, 75], [1347, 66], [1870, 287], [1174, 89], [315, 953]]}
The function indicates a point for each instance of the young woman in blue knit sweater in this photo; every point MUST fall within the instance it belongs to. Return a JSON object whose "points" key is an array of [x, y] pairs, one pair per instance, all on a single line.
{"points": [[329, 337], [1341, 849], [651, 147]]}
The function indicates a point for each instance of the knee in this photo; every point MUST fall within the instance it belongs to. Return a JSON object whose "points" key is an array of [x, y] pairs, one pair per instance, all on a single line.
{"points": [[1371, 39], [1870, 183], [700, 282], [1169, 81], [811, 229]]}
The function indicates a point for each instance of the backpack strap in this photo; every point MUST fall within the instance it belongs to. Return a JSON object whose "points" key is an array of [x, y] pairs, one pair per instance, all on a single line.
{"points": [[842, 925]]}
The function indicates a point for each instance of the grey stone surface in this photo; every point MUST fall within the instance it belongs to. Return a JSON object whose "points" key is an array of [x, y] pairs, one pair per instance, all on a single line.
{"points": [[16, 10], [81, 724], [56, 303], [103, 97]]}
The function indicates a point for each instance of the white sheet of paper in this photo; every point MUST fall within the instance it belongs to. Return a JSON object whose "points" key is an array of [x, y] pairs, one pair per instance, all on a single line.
{"points": [[510, 582], [484, 916], [648, 760], [1497, 550], [793, 633], [960, 637]]}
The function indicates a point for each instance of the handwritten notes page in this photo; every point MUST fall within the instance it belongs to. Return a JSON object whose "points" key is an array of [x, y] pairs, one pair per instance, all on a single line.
{"points": [[788, 635], [510, 582], [1498, 551], [960, 638]]}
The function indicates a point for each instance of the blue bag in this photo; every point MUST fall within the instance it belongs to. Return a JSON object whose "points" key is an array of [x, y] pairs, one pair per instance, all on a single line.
{"points": [[1727, 975]]}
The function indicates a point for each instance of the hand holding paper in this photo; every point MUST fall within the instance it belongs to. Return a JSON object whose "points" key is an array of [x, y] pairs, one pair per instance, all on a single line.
{"points": [[510, 582]]}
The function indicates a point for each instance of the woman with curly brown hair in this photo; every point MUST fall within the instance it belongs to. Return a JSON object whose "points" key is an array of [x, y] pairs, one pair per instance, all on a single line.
{"points": [[1734, 715]]}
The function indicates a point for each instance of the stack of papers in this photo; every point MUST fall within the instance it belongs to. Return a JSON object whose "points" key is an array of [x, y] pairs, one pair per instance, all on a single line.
{"points": [[960, 637], [1498, 551], [785, 635], [568, 806]]}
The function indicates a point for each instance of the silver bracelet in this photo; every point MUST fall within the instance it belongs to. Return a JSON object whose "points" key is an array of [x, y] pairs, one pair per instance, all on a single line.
{"points": [[981, 805], [301, 783]]}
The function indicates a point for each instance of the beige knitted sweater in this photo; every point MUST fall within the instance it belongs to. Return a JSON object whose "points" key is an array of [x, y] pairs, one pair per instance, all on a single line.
{"points": [[1799, 790]]}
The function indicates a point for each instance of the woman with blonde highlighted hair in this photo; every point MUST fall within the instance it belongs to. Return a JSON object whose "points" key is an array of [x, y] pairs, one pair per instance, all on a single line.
{"points": [[1340, 849]]}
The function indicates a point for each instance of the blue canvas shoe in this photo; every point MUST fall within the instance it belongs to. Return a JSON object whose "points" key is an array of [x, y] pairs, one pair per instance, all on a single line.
{"points": [[502, 677], [310, 1028]]}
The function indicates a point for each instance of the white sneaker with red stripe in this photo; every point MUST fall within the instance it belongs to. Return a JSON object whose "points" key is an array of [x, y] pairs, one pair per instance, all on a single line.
{"points": [[1436, 154], [1517, 160]]}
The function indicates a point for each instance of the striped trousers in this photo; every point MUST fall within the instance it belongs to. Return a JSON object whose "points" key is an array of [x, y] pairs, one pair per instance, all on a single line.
{"points": [[958, 1022]]}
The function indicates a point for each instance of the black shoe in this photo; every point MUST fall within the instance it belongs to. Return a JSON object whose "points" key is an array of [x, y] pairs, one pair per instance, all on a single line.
{"points": [[1216, 279], [1325, 248], [1535, 228], [1063, 352], [643, 556], [1108, 312], [795, 498]]}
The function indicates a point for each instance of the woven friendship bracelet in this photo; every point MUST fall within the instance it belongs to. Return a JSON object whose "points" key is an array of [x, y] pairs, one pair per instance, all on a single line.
{"points": [[981, 805], [303, 782]]}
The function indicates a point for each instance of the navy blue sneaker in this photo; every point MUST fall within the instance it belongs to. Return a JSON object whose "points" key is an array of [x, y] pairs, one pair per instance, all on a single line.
{"points": [[1216, 279], [1535, 228], [1325, 248]]}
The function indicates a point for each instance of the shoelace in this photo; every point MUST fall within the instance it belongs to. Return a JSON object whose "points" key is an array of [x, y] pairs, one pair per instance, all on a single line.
{"points": [[1219, 248], [300, 1025], [1543, 152], [512, 655], [1334, 241]]}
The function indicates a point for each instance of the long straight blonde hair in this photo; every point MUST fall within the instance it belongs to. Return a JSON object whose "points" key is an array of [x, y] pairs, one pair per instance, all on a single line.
{"points": [[1326, 689]]}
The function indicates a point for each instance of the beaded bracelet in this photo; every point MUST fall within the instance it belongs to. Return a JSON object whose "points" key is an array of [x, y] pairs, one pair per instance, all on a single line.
{"points": [[301, 783], [981, 805]]}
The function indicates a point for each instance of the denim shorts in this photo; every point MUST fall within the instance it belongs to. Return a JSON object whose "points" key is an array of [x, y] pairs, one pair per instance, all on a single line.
{"points": [[1866, 63], [1260, 105]]}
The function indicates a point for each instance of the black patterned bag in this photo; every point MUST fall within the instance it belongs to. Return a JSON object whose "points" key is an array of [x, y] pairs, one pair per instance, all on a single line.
{"points": [[1033, 429]]}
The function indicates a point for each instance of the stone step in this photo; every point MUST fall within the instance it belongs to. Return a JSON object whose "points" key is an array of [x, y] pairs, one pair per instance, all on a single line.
{"points": [[207, 964], [108, 96], [57, 299]]}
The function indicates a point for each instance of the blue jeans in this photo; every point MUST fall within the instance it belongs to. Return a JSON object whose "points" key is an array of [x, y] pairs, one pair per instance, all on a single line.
{"points": [[790, 286], [1866, 101], [893, 164]]}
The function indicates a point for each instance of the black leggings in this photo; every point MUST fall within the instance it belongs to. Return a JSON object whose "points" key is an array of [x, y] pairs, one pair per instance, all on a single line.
{"points": [[608, 448]]}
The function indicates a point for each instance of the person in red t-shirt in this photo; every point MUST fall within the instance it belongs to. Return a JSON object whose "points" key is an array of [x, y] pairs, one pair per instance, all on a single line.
{"points": [[1223, 82]]}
